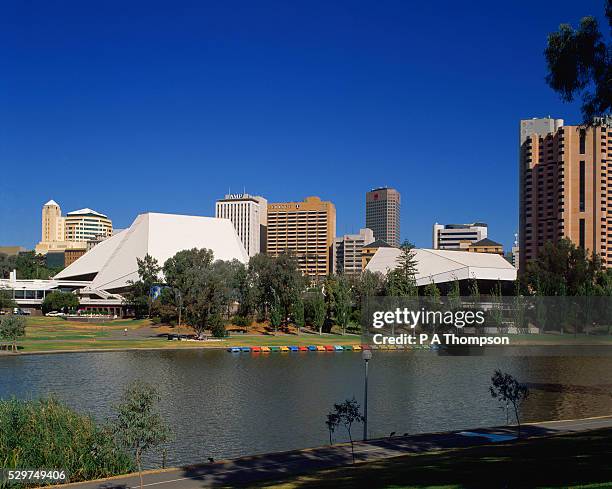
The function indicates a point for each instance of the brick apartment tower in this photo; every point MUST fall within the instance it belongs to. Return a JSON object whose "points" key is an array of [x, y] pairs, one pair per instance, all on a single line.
{"points": [[383, 214], [565, 181], [306, 229]]}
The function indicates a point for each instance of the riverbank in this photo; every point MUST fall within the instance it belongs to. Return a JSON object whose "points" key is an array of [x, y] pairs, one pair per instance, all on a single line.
{"points": [[56, 335], [563, 453]]}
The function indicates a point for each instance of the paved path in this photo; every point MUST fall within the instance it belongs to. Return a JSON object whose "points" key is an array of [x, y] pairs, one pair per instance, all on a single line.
{"points": [[245, 470]]}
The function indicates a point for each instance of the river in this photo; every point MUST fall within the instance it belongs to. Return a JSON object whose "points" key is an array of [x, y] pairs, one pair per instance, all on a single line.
{"points": [[224, 405]]}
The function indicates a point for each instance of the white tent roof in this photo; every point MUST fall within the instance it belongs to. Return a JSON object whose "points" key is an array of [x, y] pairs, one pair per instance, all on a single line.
{"points": [[159, 235], [52, 202], [446, 266]]}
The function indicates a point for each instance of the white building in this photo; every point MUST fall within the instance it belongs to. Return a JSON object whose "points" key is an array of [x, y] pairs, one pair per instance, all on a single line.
{"points": [[347, 249], [111, 265], [441, 266], [248, 214], [72, 232], [86, 224], [457, 236]]}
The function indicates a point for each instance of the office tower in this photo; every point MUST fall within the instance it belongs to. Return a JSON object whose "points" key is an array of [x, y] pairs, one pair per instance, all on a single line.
{"points": [[348, 251], [307, 230], [52, 222], [248, 214], [383, 214], [72, 231], [86, 224], [564, 189], [457, 236]]}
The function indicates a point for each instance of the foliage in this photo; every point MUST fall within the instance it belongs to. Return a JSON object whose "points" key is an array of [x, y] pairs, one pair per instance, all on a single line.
{"points": [[241, 321], [401, 281], [578, 60], [274, 279], [298, 313], [315, 308], [60, 301], [139, 295], [454, 296], [275, 315], [338, 293], [138, 426], [206, 287], [11, 329], [8, 263], [45, 433], [6, 300], [508, 391], [344, 414], [31, 266], [562, 268]]}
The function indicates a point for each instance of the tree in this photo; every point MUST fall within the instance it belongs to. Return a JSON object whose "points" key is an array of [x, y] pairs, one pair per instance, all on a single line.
{"points": [[345, 414], [6, 300], [205, 287], [8, 263], [508, 391], [275, 315], [579, 63], [30, 265], [11, 329], [368, 284], [140, 295], [562, 268], [274, 279], [454, 296], [317, 308], [138, 426], [342, 303], [298, 313], [60, 301], [401, 281]]}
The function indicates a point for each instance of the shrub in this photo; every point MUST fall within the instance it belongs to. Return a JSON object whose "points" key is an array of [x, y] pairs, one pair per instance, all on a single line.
{"points": [[241, 321], [46, 433]]}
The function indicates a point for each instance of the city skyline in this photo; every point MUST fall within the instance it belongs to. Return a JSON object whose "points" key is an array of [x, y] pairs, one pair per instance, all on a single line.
{"points": [[190, 102]]}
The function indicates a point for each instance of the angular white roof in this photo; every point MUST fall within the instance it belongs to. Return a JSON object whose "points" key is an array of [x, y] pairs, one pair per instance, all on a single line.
{"points": [[51, 202], [446, 266], [159, 235], [85, 211]]}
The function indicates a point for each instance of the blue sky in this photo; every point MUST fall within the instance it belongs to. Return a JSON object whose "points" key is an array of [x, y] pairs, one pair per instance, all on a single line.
{"points": [[128, 107]]}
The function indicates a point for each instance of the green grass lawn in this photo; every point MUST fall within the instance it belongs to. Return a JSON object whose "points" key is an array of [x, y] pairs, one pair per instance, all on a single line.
{"points": [[573, 460], [53, 334], [47, 334]]}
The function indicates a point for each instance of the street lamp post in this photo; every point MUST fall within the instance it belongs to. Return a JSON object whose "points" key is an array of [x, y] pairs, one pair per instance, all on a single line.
{"points": [[366, 355]]}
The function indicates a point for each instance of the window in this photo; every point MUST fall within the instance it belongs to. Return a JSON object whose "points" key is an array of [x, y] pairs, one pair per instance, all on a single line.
{"points": [[582, 141], [582, 185], [581, 231]]}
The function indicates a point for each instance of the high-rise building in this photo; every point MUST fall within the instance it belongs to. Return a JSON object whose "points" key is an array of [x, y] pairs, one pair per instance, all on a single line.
{"points": [[248, 214], [60, 233], [348, 251], [565, 189], [305, 229], [86, 224], [383, 214], [52, 222], [457, 236]]}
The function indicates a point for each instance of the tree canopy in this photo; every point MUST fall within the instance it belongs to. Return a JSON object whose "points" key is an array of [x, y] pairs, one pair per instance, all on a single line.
{"points": [[579, 63]]}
